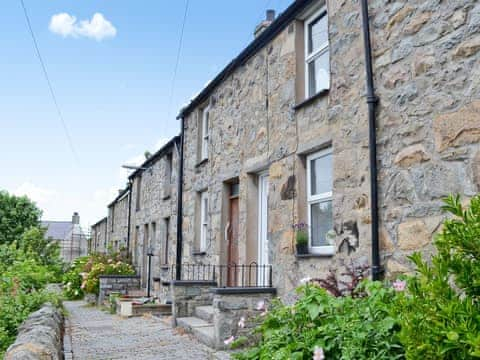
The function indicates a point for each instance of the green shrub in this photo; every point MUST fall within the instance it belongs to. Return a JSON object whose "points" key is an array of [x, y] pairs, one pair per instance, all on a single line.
{"points": [[84, 273], [440, 312], [344, 327]]}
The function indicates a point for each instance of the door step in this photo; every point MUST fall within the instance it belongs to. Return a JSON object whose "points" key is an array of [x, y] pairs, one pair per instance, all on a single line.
{"points": [[200, 328]]}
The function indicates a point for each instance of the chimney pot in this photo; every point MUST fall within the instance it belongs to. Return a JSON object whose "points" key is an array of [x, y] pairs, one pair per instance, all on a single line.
{"points": [[269, 18], [76, 218], [270, 15]]}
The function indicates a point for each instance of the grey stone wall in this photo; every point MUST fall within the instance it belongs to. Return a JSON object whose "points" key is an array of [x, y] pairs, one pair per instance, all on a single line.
{"points": [[99, 236], [117, 283], [118, 223], [158, 202], [186, 295], [39, 337], [229, 309], [428, 140]]}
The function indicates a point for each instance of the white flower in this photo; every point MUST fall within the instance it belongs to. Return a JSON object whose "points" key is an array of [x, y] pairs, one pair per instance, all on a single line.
{"points": [[318, 354], [229, 340], [305, 280], [261, 305], [241, 323]]}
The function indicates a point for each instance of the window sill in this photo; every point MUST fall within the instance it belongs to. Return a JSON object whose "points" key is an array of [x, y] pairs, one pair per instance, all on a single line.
{"points": [[204, 161], [308, 256], [311, 99], [164, 267], [199, 253]]}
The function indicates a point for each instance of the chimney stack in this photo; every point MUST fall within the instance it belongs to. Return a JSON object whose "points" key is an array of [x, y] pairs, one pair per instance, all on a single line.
{"points": [[269, 18], [76, 218]]}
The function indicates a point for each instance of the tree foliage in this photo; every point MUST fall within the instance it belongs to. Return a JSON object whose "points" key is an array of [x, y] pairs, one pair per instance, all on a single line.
{"points": [[17, 214]]}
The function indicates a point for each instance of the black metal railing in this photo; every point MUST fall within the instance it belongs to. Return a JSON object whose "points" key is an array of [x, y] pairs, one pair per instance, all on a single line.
{"points": [[230, 275]]}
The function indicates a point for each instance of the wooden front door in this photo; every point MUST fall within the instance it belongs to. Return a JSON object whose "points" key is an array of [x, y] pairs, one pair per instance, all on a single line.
{"points": [[232, 236]]}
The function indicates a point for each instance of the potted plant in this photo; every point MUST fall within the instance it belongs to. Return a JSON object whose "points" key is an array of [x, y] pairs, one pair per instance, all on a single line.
{"points": [[301, 238]]}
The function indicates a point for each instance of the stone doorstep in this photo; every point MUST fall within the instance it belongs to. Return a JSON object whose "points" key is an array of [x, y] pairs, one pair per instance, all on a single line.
{"points": [[204, 313], [201, 329]]}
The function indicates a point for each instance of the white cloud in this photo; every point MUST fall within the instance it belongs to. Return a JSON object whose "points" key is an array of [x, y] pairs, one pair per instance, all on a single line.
{"points": [[38, 194], [97, 27]]}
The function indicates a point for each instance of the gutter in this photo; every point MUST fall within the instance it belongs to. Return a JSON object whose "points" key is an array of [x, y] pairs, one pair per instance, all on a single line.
{"points": [[372, 102], [179, 148]]}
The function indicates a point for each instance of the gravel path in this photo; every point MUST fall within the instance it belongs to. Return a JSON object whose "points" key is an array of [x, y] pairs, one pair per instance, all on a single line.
{"points": [[94, 334]]}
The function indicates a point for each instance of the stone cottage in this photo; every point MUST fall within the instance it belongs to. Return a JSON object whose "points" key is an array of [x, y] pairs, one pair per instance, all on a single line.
{"points": [[284, 135], [118, 213], [99, 235], [154, 215]]}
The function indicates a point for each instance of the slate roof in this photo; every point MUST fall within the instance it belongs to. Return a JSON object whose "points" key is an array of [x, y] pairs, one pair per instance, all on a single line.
{"points": [[57, 230]]}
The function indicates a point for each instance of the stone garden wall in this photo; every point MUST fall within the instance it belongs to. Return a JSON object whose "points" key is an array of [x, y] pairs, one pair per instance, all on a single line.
{"points": [[237, 314], [186, 295], [39, 337], [117, 283]]}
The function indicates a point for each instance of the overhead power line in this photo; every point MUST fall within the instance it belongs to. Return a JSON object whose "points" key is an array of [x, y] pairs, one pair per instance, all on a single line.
{"points": [[177, 61], [50, 87]]}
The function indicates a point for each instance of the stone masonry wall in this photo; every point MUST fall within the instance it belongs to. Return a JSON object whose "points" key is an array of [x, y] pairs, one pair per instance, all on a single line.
{"points": [[428, 137], [158, 202], [426, 57], [39, 337], [186, 295], [99, 236], [117, 283], [228, 311], [117, 232]]}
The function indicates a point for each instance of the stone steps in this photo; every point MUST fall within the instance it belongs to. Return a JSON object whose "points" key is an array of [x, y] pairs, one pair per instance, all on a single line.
{"points": [[204, 313], [201, 329]]}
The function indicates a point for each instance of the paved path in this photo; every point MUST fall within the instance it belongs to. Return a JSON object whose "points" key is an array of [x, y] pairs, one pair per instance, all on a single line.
{"points": [[94, 334]]}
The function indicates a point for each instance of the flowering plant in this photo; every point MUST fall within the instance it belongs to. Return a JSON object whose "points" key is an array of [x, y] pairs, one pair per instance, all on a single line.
{"points": [[301, 233]]}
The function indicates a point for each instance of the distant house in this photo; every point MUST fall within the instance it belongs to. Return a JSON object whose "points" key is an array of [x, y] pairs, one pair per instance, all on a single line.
{"points": [[72, 239]]}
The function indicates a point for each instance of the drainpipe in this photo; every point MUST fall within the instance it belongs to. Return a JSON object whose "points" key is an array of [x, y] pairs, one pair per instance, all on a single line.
{"points": [[129, 216], [178, 272], [372, 101]]}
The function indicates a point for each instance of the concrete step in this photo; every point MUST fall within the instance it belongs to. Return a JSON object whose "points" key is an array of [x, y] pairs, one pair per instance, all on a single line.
{"points": [[204, 313], [200, 328]]}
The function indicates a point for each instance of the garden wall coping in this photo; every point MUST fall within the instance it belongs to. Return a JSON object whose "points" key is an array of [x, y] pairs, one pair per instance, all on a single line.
{"points": [[39, 337]]}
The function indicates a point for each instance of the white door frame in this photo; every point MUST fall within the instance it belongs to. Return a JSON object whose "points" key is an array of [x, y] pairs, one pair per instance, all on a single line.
{"points": [[262, 257]]}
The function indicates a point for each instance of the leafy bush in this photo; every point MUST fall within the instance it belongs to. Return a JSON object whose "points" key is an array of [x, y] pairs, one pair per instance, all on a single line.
{"points": [[28, 262], [344, 327], [440, 313], [17, 214], [84, 273], [22, 281]]}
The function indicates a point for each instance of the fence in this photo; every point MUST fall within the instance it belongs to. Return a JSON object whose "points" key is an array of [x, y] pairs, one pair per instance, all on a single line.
{"points": [[230, 275]]}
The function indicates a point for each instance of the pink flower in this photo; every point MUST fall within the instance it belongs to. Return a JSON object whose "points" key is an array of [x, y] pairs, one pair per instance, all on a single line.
{"points": [[229, 340], [318, 353], [241, 323], [261, 305], [264, 313], [399, 285], [305, 280]]}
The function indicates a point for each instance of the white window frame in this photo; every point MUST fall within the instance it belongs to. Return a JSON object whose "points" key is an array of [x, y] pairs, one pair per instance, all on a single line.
{"points": [[309, 58], [205, 133], [314, 199], [203, 221]]}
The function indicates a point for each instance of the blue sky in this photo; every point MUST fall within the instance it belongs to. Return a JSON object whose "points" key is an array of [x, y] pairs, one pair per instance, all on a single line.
{"points": [[114, 92]]}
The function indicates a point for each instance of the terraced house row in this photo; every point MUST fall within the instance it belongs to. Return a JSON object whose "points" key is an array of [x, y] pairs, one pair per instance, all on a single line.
{"points": [[356, 121]]}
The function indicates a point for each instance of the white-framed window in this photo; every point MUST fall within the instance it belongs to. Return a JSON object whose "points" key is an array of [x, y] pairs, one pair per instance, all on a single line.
{"points": [[317, 56], [203, 220], [319, 199], [205, 117]]}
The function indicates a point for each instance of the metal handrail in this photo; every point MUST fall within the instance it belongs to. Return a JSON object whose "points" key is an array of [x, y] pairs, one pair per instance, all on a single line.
{"points": [[228, 275]]}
